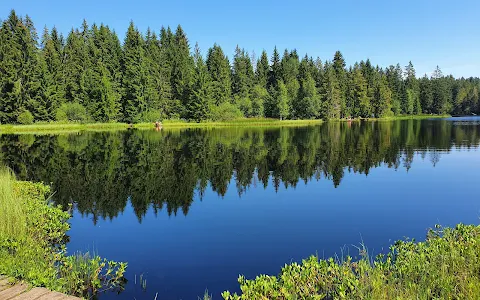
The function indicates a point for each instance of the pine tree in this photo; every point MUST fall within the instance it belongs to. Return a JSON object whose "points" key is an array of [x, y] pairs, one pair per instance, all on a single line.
{"points": [[262, 70], [331, 95], [341, 77], [133, 99], [307, 104], [201, 98], [426, 95], [51, 59], [382, 98], [158, 88], [289, 72], [395, 83], [275, 69], [242, 74], [182, 69], [219, 69], [440, 92], [411, 96], [20, 71], [362, 101]]}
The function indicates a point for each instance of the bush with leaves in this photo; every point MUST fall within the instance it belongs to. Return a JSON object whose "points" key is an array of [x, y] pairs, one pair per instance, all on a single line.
{"points": [[445, 266], [25, 118], [72, 112], [226, 112], [32, 244]]}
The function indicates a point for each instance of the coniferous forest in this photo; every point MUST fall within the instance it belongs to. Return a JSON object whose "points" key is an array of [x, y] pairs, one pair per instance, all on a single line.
{"points": [[89, 75]]}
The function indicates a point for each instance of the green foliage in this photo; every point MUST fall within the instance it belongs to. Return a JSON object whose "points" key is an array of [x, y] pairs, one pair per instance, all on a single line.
{"points": [[123, 81], [72, 112], [226, 112], [25, 118], [32, 244], [259, 98], [201, 98], [219, 70], [85, 274], [445, 266]]}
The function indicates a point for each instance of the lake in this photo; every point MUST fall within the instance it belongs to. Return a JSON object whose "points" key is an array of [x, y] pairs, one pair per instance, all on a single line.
{"points": [[191, 210]]}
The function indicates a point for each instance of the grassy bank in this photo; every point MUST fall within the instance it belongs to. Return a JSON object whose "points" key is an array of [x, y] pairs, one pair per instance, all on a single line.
{"points": [[445, 266], [52, 128], [32, 244], [167, 124]]}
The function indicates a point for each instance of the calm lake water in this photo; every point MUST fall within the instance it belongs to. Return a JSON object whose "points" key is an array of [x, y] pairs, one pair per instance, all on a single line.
{"points": [[191, 210]]}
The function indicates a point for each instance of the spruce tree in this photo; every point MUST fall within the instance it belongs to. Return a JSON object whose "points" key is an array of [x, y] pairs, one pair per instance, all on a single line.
{"points": [[242, 74], [201, 100], [331, 95], [20, 71], [382, 104], [426, 94], [133, 67], [440, 92], [411, 96], [182, 69], [362, 101], [341, 77], [262, 70], [219, 69], [51, 59], [275, 69]]}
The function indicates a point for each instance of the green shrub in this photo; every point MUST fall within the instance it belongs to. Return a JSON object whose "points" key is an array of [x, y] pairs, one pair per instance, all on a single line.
{"points": [[25, 118], [33, 239], [150, 116], [445, 266], [71, 112], [226, 112]]}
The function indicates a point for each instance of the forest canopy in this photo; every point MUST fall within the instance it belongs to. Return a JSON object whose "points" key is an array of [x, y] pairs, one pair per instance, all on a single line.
{"points": [[91, 76]]}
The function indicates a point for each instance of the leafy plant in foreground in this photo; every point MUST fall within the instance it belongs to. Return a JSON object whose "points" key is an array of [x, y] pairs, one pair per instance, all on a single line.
{"points": [[445, 266]]}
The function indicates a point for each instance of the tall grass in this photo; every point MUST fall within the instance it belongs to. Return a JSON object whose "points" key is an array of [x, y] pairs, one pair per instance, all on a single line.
{"points": [[12, 214], [32, 244]]}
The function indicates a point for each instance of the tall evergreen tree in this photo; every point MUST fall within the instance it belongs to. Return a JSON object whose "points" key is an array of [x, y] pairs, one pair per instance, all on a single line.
{"points": [[219, 69], [426, 94], [382, 103], [20, 71], [242, 74], [341, 77], [331, 95], [133, 99], [262, 70], [411, 96], [440, 92], [362, 101], [201, 98], [275, 69], [307, 104]]}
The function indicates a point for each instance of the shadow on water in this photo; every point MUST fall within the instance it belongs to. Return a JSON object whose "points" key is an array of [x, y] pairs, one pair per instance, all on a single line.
{"points": [[100, 172]]}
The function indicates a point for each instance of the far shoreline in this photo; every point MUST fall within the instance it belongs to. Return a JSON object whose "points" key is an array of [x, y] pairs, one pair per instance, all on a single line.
{"points": [[54, 127]]}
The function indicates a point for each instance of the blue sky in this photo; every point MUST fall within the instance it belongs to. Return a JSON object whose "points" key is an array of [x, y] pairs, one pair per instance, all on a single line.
{"points": [[428, 33]]}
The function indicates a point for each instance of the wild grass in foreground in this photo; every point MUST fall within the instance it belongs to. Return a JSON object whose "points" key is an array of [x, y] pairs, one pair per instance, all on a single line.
{"points": [[445, 266], [32, 244]]}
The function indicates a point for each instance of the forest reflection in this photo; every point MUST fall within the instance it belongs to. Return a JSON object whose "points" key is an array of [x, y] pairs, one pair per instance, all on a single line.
{"points": [[100, 172]]}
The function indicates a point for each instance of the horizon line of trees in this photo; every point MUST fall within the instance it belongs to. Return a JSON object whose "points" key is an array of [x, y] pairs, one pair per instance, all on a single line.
{"points": [[91, 76]]}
